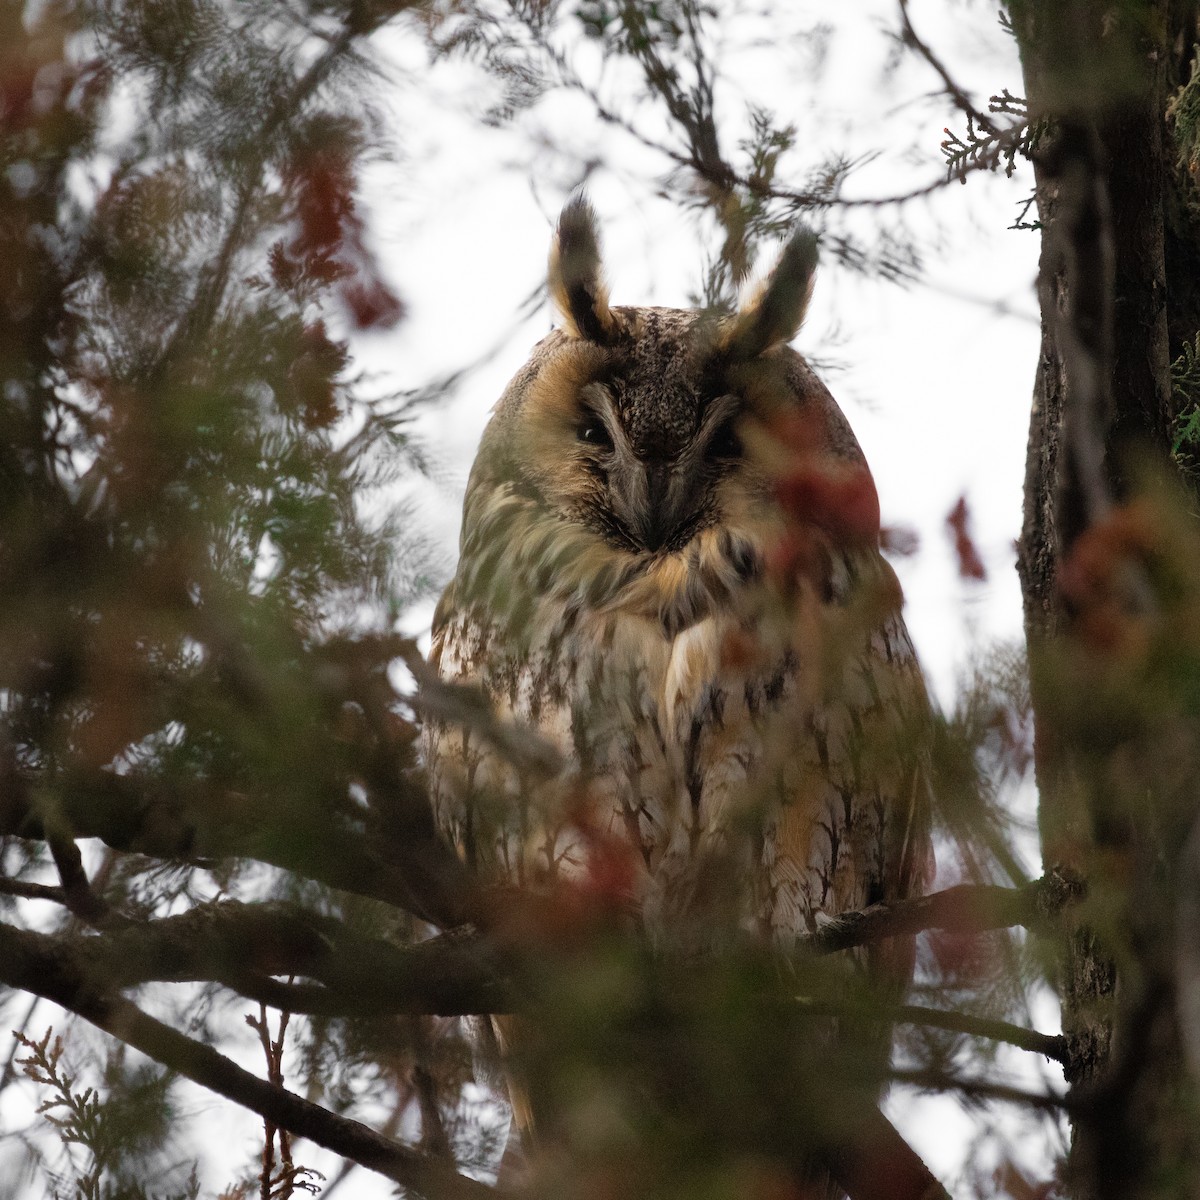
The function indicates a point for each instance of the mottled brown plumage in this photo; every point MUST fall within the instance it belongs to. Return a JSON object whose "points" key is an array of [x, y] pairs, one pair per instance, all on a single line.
{"points": [[729, 678]]}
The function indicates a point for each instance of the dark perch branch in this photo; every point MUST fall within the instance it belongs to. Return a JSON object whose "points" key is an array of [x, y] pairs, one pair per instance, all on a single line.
{"points": [[41, 964], [243, 945], [463, 972], [81, 899]]}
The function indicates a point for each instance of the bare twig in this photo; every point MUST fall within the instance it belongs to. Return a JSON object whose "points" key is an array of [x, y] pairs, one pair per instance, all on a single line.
{"points": [[78, 894], [953, 89], [1051, 1045], [273, 1052], [719, 173], [33, 891], [978, 1089], [279, 1186]]}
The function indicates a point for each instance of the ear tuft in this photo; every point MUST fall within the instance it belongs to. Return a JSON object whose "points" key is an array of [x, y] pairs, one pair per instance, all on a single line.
{"points": [[576, 281], [776, 313]]}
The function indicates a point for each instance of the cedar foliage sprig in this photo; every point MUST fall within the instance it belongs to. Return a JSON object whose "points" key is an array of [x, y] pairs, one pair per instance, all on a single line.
{"points": [[990, 148], [86, 1118], [1185, 389]]}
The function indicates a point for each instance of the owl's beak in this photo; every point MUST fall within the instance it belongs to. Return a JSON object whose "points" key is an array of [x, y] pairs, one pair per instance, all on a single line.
{"points": [[653, 501], [662, 516]]}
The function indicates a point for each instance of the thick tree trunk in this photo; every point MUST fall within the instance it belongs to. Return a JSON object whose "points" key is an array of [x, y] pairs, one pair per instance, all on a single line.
{"points": [[1117, 250], [1102, 393]]}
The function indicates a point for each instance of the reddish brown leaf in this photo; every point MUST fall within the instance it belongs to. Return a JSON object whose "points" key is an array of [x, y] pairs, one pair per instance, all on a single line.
{"points": [[372, 304], [841, 499], [1091, 579], [328, 246], [970, 564]]}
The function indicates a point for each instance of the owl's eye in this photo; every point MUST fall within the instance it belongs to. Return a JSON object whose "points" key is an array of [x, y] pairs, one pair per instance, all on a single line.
{"points": [[593, 431], [725, 443]]}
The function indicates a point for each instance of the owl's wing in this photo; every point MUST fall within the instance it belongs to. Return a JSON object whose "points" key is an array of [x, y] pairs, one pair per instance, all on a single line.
{"points": [[811, 730], [486, 790], [454, 755], [582, 684], [853, 827]]}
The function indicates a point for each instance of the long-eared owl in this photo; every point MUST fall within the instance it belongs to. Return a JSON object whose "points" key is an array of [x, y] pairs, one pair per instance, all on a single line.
{"points": [[670, 569]]}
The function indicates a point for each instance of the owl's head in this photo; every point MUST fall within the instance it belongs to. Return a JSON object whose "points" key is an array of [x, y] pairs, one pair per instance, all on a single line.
{"points": [[632, 421]]}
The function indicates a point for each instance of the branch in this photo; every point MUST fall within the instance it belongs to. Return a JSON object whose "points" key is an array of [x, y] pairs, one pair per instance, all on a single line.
{"points": [[29, 962], [967, 908], [408, 866], [462, 972], [962, 102], [978, 1089], [81, 899], [243, 945], [32, 891], [722, 174], [1053, 1046]]}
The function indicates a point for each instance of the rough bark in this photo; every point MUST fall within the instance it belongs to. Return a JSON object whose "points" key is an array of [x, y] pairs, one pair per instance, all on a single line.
{"points": [[1182, 200], [1116, 250]]}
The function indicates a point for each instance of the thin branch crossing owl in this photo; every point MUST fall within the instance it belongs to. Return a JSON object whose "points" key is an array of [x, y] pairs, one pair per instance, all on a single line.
{"points": [[670, 569]]}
